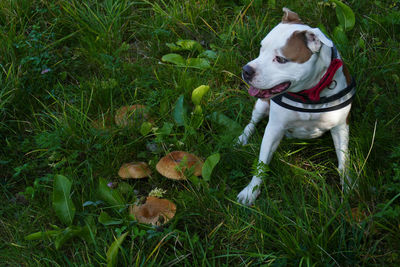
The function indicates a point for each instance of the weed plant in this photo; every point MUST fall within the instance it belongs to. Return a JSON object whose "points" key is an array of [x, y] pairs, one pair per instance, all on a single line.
{"points": [[67, 65]]}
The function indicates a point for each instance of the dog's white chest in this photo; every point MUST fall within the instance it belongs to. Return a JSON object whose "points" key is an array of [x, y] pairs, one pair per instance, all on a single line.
{"points": [[307, 125], [307, 130]]}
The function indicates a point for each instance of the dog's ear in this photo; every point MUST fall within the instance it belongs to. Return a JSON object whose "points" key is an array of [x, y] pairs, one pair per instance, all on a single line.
{"points": [[290, 17], [315, 38]]}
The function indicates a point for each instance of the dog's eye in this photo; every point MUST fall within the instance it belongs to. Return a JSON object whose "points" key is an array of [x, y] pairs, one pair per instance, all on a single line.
{"points": [[280, 60]]}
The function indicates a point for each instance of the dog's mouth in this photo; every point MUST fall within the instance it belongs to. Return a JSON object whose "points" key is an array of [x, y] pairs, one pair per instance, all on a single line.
{"points": [[268, 93]]}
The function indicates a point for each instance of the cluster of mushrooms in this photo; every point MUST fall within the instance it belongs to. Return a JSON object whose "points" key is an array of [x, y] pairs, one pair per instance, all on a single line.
{"points": [[174, 165], [155, 211], [124, 116]]}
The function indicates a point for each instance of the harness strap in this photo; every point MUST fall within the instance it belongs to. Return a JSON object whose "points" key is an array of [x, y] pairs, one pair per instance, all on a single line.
{"points": [[311, 96], [347, 91]]}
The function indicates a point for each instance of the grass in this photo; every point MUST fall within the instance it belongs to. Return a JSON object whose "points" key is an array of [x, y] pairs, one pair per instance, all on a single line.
{"points": [[66, 64]]}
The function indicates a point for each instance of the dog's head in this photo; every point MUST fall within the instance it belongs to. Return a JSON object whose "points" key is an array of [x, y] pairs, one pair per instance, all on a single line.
{"points": [[293, 57]]}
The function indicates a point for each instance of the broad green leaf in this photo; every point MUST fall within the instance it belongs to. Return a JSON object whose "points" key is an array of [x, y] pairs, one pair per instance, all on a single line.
{"points": [[112, 197], [340, 36], [190, 45], [145, 128], [67, 234], [174, 47], [180, 111], [194, 179], [166, 129], [226, 122], [198, 93], [174, 58], [199, 63], [197, 117], [42, 235], [210, 54], [106, 219], [62, 203], [164, 107], [125, 188], [90, 230], [209, 165], [345, 15], [198, 110], [112, 252], [137, 232], [87, 234], [71, 232]]}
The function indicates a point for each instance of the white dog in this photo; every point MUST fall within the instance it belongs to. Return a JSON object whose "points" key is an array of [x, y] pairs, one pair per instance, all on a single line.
{"points": [[305, 89]]}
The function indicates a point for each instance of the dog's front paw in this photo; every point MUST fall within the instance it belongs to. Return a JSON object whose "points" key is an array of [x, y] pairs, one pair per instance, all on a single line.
{"points": [[248, 195], [242, 140], [347, 182]]}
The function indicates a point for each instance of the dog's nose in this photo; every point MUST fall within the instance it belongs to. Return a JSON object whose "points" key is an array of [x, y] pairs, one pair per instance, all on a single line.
{"points": [[248, 72]]}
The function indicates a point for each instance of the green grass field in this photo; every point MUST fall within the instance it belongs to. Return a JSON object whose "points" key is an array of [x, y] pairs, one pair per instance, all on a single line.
{"points": [[67, 66]]}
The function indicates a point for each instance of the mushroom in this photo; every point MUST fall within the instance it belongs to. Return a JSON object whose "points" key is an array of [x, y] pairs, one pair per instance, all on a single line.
{"points": [[104, 122], [174, 164], [134, 170], [356, 215], [130, 115], [155, 211]]}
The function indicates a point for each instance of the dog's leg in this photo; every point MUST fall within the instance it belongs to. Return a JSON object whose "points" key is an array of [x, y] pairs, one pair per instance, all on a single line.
{"points": [[260, 111], [272, 137], [340, 136]]}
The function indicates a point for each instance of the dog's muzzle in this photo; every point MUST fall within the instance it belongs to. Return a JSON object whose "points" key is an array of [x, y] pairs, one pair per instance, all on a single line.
{"points": [[248, 73]]}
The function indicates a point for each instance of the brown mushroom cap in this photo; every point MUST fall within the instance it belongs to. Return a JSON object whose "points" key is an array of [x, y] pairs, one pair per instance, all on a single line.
{"points": [[174, 164], [104, 122], [356, 215], [155, 211], [134, 170], [130, 115]]}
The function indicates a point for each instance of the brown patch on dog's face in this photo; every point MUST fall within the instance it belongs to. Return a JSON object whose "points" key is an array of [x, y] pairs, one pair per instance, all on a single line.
{"points": [[291, 17], [347, 74], [296, 49]]}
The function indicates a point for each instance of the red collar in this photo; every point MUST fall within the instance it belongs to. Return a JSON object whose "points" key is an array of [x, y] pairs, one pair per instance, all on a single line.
{"points": [[312, 94]]}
